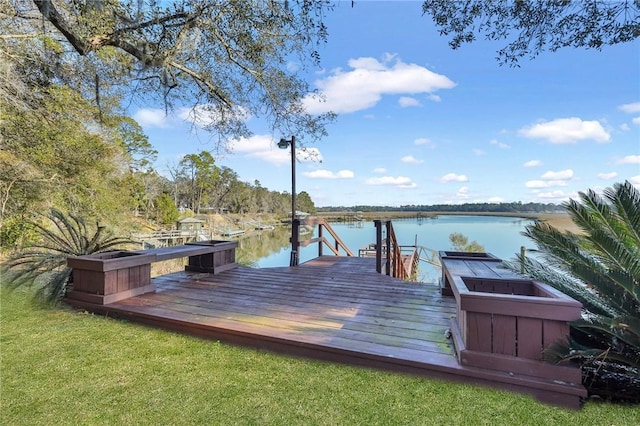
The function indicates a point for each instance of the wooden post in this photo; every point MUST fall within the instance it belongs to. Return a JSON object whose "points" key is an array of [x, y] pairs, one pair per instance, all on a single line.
{"points": [[388, 245], [295, 242], [320, 228], [378, 245]]}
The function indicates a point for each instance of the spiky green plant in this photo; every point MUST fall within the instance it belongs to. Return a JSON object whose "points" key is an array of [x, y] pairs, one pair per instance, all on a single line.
{"points": [[43, 265], [600, 267]]}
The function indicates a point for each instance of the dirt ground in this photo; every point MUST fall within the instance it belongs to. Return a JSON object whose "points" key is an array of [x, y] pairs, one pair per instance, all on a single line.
{"points": [[559, 220]]}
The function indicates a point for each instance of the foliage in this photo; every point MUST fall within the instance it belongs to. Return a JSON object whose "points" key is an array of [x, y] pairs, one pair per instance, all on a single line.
{"points": [[200, 174], [42, 264], [165, 210], [600, 267], [16, 232], [68, 367], [62, 159], [225, 61], [461, 242], [514, 207], [305, 203], [536, 25], [135, 144]]}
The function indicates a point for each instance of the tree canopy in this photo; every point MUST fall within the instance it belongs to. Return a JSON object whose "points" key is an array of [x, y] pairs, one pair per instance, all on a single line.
{"points": [[69, 71], [226, 60], [531, 26]]}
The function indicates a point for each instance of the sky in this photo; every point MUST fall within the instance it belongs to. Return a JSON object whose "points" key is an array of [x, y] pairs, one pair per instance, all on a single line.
{"points": [[420, 124]]}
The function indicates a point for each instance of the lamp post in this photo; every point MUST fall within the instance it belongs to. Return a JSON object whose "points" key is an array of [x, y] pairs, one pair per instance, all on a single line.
{"points": [[284, 144]]}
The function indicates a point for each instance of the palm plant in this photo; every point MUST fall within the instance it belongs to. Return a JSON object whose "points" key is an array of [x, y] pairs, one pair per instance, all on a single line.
{"points": [[600, 267], [43, 264]]}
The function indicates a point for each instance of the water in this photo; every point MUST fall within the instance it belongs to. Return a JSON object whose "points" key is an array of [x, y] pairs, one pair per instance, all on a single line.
{"points": [[500, 236]]}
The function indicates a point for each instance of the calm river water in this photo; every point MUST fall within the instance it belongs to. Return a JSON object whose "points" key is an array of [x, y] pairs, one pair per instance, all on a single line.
{"points": [[499, 236]]}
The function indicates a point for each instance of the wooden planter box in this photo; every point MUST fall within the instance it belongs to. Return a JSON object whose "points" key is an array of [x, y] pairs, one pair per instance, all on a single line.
{"points": [[445, 285], [111, 276], [506, 324], [220, 258]]}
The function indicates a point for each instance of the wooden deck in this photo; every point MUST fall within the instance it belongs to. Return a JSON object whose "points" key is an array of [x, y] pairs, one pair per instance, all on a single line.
{"points": [[331, 308]]}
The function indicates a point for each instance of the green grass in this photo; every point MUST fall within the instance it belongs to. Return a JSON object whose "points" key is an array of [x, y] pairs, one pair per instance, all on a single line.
{"points": [[67, 367]]}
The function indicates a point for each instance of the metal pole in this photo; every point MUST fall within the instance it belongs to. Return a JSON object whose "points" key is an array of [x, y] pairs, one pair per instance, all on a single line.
{"points": [[294, 250]]}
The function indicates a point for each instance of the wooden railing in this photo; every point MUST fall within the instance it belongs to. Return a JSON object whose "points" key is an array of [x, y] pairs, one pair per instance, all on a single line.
{"points": [[389, 257], [321, 240]]}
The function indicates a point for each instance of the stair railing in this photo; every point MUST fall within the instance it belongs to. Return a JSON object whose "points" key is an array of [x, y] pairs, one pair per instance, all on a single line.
{"points": [[389, 259], [337, 248]]}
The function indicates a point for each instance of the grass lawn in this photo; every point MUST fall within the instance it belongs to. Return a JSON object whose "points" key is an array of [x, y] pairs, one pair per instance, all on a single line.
{"points": [[66, 367]]}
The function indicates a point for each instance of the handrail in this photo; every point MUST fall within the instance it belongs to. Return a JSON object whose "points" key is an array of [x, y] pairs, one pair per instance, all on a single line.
{"points": [[389, 258], [321, 240]]}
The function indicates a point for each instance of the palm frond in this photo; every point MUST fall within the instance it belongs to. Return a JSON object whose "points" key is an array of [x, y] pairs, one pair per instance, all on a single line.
{"points": [[43, 265], [600, 267], [626, 200]]}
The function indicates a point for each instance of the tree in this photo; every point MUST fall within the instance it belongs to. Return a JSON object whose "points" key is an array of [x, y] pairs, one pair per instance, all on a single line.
{"points": [[201, 173], [600, 267], [537, 24], [43, 264], [227, 60], [305, 203], [461, 242], [63, 155], [134, 142], [165, 210], [221, 193]]}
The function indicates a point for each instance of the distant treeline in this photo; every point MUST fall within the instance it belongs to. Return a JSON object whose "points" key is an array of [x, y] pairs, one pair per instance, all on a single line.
{"points": [[515, 207]]}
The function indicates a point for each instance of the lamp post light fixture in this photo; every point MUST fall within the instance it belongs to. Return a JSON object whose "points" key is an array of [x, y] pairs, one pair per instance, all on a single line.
{"points": [[284, 144]]}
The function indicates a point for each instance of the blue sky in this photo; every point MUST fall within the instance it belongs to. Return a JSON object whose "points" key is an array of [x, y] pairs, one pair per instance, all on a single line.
{"points": [[420, 123]]}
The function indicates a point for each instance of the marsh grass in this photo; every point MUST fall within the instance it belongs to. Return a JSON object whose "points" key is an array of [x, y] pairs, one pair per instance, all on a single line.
{"points": [[68, 367]]}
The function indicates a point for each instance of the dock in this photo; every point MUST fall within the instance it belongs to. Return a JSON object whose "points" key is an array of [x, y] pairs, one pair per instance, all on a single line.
{"points": [[332, 308]]}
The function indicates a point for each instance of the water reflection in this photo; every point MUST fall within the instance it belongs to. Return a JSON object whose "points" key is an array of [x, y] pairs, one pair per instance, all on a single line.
{"points": [[262, 244], [500, 236]]}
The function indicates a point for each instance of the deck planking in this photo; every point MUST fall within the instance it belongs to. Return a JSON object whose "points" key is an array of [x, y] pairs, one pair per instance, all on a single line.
{"points": [[331, 308]]}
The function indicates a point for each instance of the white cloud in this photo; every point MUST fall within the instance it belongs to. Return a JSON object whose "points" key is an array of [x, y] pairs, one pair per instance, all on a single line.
{"points": [[607, 176], [463, 192], [264, 148], [379, 170], [533, 163], [636, 120], [410, 159], [561, 175], [499, 144], [368, 81], [554, 196], [452, 177], [630, 108], [308, 155], [423, 141], [406, 101], [398, 181], [326, 174], [625, 127], [635, 181], [495, 200], [293, 66], [151, 117], [434, 98], [544, 183], [551, 179], [630, 159], [566, 130], [208, 114], [478, 152]]}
